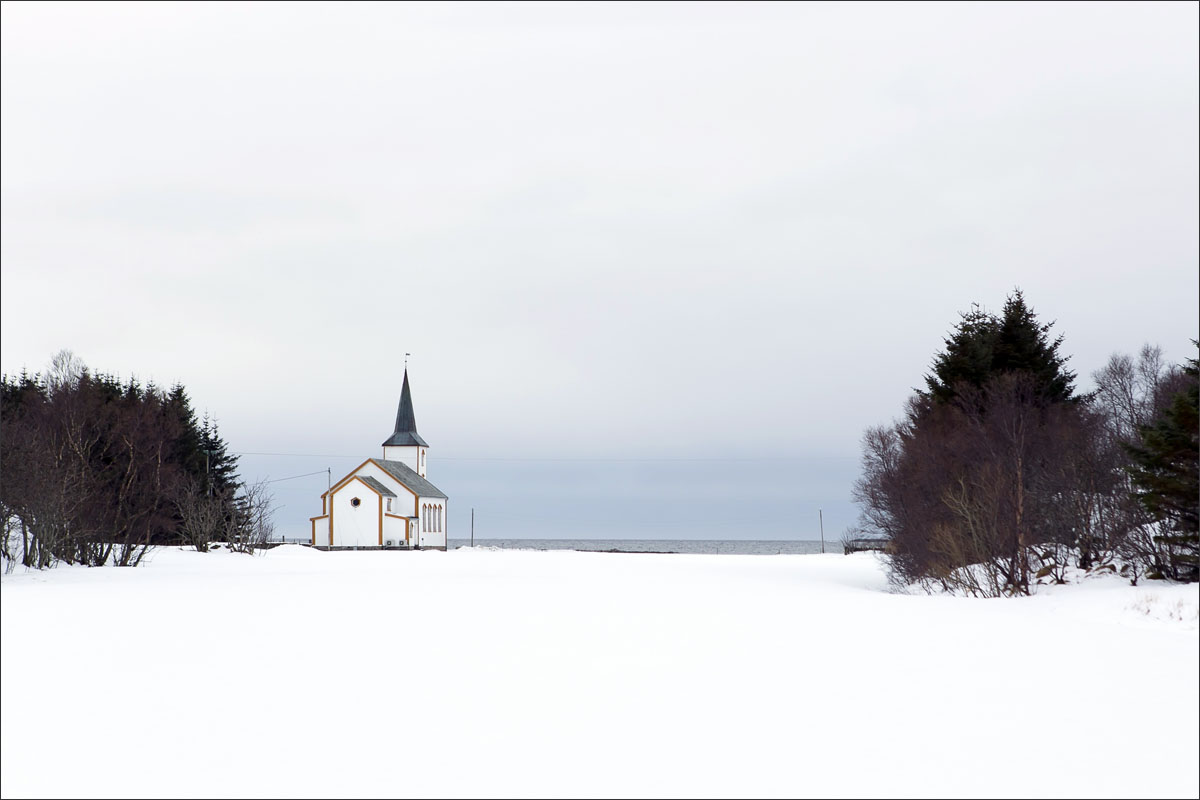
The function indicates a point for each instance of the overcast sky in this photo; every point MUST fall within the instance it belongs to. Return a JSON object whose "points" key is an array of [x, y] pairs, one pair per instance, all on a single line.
{"points": [[726, 236]]}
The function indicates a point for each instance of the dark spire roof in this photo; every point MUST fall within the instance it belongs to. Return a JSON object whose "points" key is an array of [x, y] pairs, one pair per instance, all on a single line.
{"points": [[405, 434]]}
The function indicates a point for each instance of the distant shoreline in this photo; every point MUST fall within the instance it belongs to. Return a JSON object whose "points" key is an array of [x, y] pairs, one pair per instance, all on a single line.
{"points": [[661, 546]]}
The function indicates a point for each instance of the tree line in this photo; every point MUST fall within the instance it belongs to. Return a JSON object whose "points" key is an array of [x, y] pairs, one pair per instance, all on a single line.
{"points": [[1000, 474], [96, 470]]}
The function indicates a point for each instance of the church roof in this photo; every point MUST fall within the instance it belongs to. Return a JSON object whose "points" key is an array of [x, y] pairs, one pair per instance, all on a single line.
{"points": [[406, 422], [376, 485], [409, 477]]}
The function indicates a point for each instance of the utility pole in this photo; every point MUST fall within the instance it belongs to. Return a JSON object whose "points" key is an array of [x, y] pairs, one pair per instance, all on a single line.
{"points": [[472, 527], [821, 517]]}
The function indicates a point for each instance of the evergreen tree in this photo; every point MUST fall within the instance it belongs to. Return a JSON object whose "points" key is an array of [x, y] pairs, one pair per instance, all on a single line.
{"points": [[17, 392], [984, 346], [221, 471], [1022, 344], [1166, 475], [967, 359], [188, 448]]}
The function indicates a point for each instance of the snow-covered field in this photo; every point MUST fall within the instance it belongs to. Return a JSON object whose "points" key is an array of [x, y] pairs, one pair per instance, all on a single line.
{"points": [[533, 673]]}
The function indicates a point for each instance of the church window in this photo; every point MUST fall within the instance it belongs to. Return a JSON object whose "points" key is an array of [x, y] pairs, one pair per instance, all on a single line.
{"points": [[354, 501]]}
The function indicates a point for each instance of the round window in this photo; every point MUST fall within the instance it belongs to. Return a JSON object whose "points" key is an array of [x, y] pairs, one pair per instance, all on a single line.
{"points": [[355, 502]]}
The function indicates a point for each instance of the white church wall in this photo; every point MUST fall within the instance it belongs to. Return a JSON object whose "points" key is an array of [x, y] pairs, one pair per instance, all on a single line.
{"points": [[355, 526], [320, 531], [413, 457], [394, 529], [433, 538]]}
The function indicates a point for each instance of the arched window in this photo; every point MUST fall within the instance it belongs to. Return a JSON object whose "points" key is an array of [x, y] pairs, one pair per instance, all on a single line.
{"points": [[438, 517], [424, 518]]}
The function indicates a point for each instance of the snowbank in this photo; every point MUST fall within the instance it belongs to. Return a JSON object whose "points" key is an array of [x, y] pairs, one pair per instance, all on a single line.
{"points": [[554, 673]]}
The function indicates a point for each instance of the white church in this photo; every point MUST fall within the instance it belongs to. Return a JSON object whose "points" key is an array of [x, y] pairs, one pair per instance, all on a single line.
{"points": [[386, 502]]}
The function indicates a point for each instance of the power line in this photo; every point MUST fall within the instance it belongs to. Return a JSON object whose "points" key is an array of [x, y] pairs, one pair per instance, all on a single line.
{"points": [[624, 458], [305, 475], [572, 458], [295, 455]]}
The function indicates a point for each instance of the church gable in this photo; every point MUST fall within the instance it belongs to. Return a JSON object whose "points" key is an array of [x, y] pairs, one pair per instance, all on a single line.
{"points": [[370, 469], [405, 497], [362, 490]]}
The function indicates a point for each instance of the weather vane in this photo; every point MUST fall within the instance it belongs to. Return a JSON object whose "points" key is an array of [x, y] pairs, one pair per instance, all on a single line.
{"points": [[406, 355]]}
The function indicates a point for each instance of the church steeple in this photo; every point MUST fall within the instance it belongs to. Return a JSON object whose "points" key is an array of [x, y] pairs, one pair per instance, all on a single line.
{"points": [[405, 444], [405, 434]]}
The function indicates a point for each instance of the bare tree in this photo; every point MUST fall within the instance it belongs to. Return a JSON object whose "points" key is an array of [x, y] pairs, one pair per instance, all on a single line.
{"points": [[973, 555], [1130, 394], [991, 491], [65, 370], [1128, 391], [254, 525], [204, 518], [57, 440]]}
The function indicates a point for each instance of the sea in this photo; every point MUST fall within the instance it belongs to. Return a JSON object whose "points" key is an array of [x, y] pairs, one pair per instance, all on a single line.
{"points": [[711, 546]]}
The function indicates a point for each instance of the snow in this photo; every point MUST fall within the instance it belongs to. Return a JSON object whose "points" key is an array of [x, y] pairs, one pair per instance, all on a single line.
{"points": [[482, 672]]}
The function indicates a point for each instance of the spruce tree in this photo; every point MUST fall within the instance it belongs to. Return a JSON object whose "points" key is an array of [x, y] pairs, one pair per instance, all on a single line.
{"points": [[1023, 345], [221, 472], [188, 448], [984, 346], [967, 359], [1166, 476]]}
